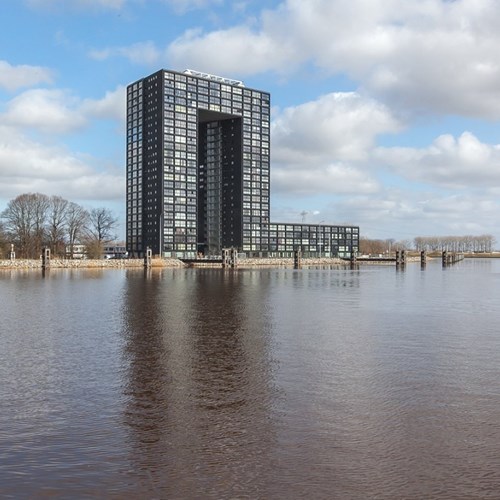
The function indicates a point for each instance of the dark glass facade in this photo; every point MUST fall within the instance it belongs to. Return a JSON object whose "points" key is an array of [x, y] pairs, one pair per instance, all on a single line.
{"points": [[314, 240], [198, 172]]}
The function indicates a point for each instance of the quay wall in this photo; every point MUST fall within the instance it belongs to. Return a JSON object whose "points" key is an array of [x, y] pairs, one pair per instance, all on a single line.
{"points": [[280, 262], [87, 263], [161, 263]]}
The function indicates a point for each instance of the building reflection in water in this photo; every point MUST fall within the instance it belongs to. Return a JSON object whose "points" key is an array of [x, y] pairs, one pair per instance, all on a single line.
{"points": [[199, 385]]}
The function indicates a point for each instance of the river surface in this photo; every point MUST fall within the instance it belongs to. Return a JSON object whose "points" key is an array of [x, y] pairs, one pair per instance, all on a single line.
{"points": [[252, 383]]}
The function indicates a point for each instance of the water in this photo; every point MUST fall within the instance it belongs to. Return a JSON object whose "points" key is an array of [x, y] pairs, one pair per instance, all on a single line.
{"points": [[318, 383]]}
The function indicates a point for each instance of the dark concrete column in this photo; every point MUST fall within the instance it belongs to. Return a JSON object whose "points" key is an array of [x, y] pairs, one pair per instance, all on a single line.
{"points": [[423, 257], [445, 258], [234, 257], [297, 259], [354, 260]]}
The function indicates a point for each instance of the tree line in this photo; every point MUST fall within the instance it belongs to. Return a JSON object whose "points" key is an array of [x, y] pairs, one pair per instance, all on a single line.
{"points": [[469, 244], [374, 246], [33, 221]]}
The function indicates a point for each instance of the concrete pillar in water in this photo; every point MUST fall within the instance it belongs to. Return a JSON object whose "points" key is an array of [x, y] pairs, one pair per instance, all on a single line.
{"points": [[401, 257], [148, 256], [297, 259], [354, 260], [234, 257], [423, 257], [445, 258], [226, 257], [45, 258], [12, 254]]}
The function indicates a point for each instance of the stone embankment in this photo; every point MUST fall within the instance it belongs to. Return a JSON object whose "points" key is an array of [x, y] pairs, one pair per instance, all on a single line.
{"points": [[274, 262], [283, 262], [159, 263], [175, 263], [87, 263]]}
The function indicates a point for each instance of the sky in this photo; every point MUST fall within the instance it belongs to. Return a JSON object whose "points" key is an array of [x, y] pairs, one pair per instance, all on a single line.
{"points": [[385, 113]]}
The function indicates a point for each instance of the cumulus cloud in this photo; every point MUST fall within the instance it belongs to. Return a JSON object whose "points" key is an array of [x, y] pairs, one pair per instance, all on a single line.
{"points": [[432, 56], [429, 56], [404, 214], [30, 166], [318, 147], [45, 110], [24, 158], [385, 209], [15, 77], [145, 53], [339, 126], [322, 179], [182, 6], [111, 106], [58, 111], [327, 150], [448, 162], [239, 51], [42, 165]]}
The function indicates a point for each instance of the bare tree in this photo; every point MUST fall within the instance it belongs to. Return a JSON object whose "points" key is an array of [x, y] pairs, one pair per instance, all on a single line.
{"points": [[3, 241], [467, 243], [100, 225], [40, 212], [18, 223], [76, 221], [25, 220], [491, 241], [33, 220], [56, 225], [368, 246], [485, 243], [403, 245]]}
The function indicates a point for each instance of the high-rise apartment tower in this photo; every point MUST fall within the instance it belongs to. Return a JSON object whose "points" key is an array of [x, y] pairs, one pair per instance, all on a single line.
{"points": [[198, 172]]}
